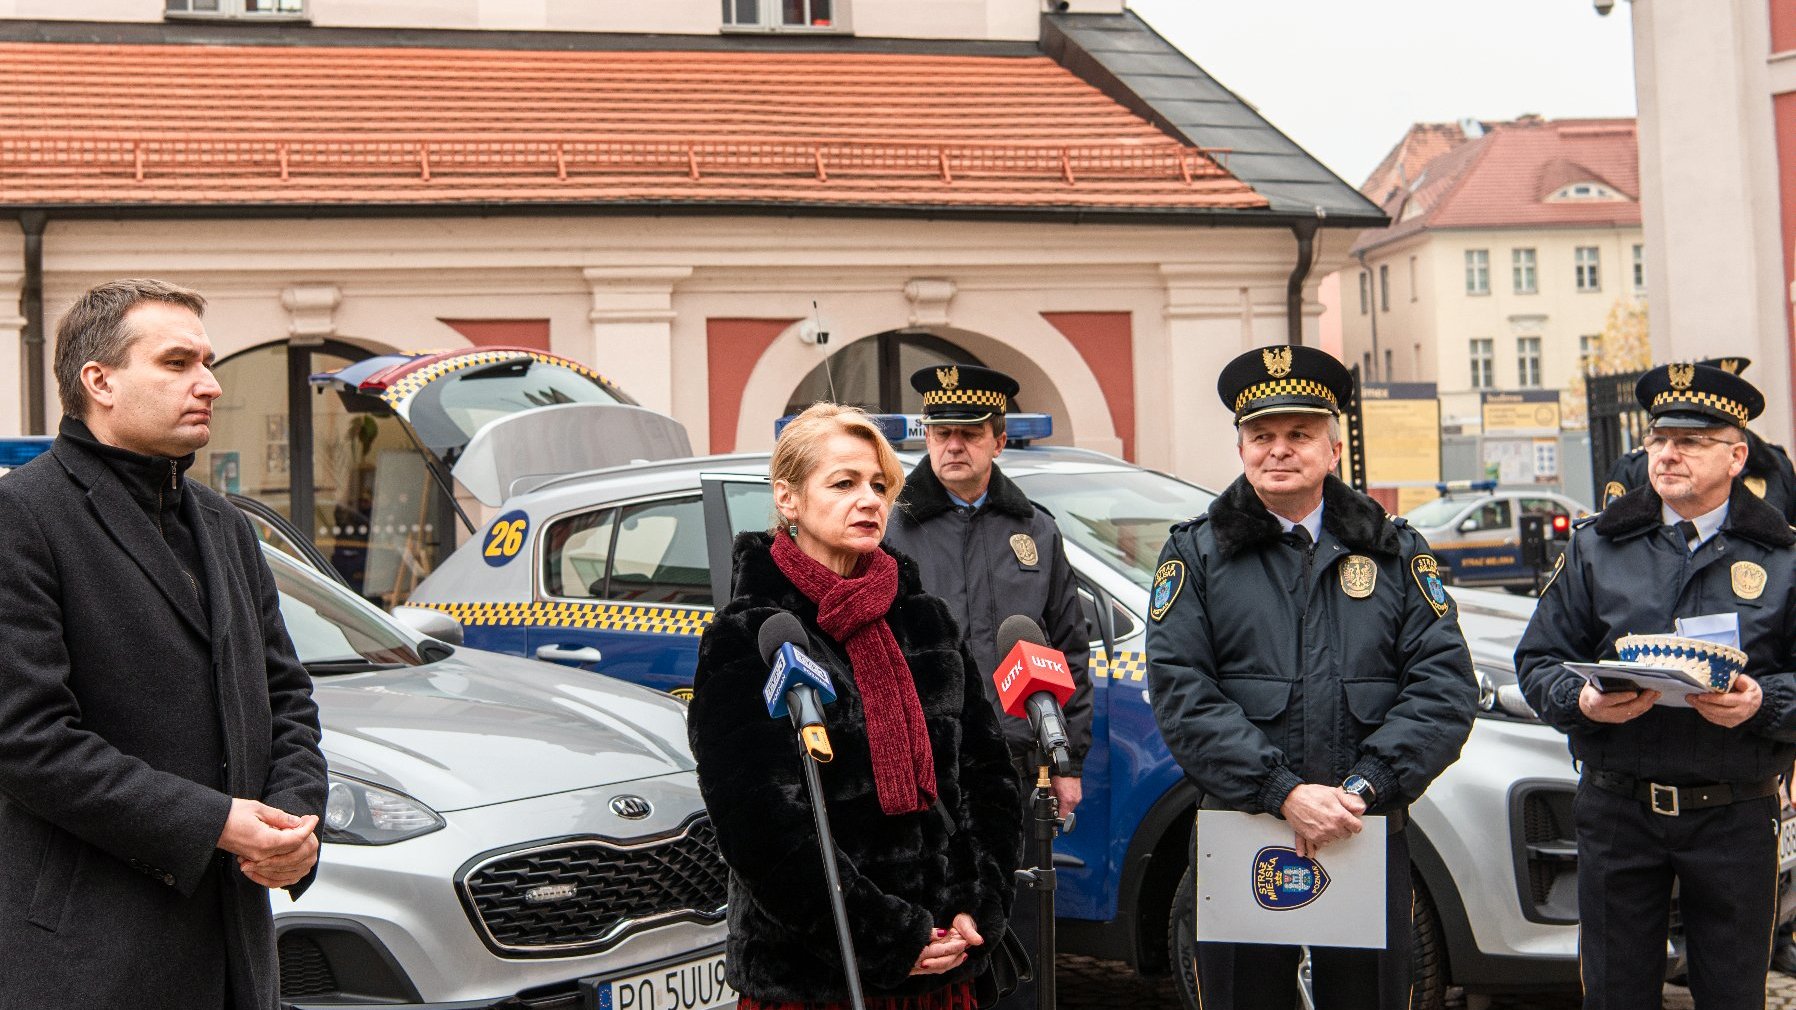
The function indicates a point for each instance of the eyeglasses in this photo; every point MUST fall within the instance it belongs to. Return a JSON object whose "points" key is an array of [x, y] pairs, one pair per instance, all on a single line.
{"points": [[1685, 443]]}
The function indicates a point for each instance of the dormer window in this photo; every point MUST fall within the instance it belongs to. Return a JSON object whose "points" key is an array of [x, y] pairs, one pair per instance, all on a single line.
{"points": [[272, 10], [782, 15], [1580, 191]]}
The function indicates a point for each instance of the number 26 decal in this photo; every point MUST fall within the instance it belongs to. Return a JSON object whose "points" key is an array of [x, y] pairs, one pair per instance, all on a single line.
{"points": [[506, 538]]}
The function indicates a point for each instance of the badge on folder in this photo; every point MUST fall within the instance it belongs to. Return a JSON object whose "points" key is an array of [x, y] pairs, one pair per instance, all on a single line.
{"points": [[1253, 887]]}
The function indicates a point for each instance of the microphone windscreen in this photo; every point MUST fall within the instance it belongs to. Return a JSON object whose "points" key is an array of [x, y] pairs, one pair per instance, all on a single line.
{"points": [[779, 629], [1017, 628]]}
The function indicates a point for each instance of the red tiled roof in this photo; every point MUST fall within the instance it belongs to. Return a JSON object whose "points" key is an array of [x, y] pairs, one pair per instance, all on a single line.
{"points": [[146, 124], [1422, 144], [1503, 179]]}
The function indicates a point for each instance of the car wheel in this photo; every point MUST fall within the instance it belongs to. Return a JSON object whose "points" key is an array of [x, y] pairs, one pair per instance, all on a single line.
{"points": [[1429, 968], [1521, 590]]}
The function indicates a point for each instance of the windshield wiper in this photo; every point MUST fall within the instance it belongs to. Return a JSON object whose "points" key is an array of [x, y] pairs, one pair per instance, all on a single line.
{"points": [[328, 667]]}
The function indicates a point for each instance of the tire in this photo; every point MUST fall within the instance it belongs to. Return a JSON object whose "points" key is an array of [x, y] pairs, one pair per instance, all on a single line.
{"points": [[1428, 969], [1429, 963]]}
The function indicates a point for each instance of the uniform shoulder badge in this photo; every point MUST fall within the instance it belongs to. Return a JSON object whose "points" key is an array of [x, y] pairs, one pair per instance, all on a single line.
{"points": [[1169, 578], [1749, 580], [1023, 545], [1359, 576], [1613, 490], [1428, 579], [1755, 484], [1558, 566]]}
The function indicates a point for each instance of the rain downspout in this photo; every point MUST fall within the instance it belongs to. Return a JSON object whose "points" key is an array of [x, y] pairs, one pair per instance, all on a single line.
{"points": [[31, 306], [1306, 242]]}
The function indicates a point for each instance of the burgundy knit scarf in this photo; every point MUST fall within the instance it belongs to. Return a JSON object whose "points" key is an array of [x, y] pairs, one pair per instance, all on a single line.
{"points": [[852, 611]]}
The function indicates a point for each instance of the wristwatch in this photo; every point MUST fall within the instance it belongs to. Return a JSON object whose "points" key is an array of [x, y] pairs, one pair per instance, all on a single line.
{"points": [[1358, 786]]}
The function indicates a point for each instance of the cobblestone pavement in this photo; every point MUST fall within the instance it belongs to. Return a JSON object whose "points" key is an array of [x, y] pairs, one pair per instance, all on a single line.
{"points": [[1089, 984]]}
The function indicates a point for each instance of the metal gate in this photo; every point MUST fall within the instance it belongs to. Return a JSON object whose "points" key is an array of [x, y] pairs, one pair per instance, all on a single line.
{"points": [[1617, 424]]}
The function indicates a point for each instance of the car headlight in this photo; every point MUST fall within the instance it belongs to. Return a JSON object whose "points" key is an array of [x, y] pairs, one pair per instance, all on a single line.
{"points": [[1499, 696], [357, 813]]}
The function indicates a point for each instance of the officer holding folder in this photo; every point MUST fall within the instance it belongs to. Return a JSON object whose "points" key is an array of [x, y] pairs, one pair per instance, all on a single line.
{"points": [[1674, 794]]}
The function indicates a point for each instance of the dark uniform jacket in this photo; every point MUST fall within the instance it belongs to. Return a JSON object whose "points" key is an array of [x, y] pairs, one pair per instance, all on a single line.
{"points": [[1268, 672], [977, 565], [902, 876], [130, 714], [1768, 474], [1625, 573]]}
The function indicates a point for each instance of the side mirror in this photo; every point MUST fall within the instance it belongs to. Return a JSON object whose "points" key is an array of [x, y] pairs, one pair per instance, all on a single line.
{"points": [[1469, 525], [433, 623]]}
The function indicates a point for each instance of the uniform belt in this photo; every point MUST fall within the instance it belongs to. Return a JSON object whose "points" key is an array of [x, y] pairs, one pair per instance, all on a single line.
{"points": [[1672, 800]]}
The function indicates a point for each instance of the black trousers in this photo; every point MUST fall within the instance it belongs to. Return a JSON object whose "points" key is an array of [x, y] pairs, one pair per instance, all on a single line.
{"points": [[1724, 860], [1259, 976]]}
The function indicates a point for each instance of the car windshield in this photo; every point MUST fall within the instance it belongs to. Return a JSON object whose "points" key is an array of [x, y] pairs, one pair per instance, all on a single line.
{"points": [[1121, 516], [1434, 513], [332, 631]]}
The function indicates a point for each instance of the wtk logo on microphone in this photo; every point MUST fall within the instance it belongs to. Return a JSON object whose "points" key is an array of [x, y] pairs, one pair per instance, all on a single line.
{"points": [[791, 668]]}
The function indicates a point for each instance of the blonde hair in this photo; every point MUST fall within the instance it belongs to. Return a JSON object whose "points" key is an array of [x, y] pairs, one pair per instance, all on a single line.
{"points": [[799, 450]]}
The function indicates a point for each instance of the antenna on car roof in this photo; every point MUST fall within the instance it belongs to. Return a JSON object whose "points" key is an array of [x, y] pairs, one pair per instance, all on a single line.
{"points": [[829, 375]]}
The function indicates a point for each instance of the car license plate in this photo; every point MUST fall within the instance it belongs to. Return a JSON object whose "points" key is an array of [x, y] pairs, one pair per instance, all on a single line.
{"points": [[1786, 844], [683, 985]]}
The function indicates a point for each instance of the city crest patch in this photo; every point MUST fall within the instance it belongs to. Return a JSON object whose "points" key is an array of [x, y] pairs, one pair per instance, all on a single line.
{"points": [[1359, 576], [1169, 578], [1283, 880], [1428, 579]]}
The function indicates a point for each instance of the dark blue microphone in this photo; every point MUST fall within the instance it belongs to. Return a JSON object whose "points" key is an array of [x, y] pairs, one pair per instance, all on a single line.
{"points": [[797, 686]]}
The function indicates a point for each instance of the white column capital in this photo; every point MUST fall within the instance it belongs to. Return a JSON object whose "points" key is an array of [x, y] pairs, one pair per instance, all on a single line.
{"points": [[633, 294]]}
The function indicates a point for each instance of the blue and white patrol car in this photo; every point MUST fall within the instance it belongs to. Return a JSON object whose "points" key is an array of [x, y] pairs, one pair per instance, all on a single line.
{"points": [[614, 565]]}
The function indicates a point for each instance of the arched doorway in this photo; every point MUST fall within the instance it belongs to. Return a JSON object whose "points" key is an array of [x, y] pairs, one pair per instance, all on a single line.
{"points": [[327, 470], [874, 372]]}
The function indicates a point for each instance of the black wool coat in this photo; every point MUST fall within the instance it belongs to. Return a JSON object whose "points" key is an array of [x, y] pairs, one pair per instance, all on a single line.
{"points": [[1625, 573], [1269, 670], [902, 876], [129, 717]]}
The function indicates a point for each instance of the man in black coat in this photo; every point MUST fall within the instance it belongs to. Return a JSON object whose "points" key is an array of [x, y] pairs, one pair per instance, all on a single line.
{"points": [[989, 552], [1675, 795], [1768, 472], [1305, 661], [159, 761]]}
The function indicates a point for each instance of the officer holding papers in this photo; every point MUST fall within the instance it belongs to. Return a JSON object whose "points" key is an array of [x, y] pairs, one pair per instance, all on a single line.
{"points": [[1695, 574], [1305, 662]]}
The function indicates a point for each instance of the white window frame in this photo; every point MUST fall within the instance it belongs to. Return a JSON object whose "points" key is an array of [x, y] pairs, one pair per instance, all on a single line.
{"points": [[1589, 346], [1527, 362], [1587, 267], [1524, 265], [1365, 292], [237, 9], [1477, 271], [771, 16], [1482, 353]]}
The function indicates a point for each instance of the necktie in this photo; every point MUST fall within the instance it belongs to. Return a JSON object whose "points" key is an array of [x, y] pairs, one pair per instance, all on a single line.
{"points": [[1300, 537], [1688, 529]]}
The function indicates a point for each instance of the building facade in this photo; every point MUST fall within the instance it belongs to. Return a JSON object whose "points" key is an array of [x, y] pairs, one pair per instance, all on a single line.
{"points": [[678, 196], [1510, 245]]}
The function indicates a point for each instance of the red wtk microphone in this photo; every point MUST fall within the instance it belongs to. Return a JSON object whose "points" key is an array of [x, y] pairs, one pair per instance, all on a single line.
{"points": [[1033, 682]]}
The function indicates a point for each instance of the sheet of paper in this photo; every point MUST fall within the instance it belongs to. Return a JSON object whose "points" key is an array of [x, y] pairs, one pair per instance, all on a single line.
{"points": [[1674, 686], [1252, 887], [1719, 629]]}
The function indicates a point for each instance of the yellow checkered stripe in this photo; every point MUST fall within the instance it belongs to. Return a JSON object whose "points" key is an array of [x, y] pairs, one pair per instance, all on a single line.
{"points": [[598, 616], [1732, 408], [988, 398], [409, 385], [1123, 666], [1285, 387]]}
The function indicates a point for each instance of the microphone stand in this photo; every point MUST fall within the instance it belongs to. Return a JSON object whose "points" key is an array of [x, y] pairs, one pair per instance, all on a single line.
{"points": [[827, 842], [1041, 879]]}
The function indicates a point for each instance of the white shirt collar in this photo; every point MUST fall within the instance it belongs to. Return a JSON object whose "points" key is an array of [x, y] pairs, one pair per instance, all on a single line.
{"points": [[1707, 524], [1311, 522]]}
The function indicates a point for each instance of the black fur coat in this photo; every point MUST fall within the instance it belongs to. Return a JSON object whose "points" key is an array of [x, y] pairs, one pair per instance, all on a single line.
{"points": [[901, 876]]}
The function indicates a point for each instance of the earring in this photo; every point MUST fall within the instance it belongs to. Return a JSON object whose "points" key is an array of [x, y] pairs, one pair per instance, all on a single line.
{"points": [[792, 531]]}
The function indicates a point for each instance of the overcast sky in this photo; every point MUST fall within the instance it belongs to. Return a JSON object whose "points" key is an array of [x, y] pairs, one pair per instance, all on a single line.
{"points": [[1345, 78]]}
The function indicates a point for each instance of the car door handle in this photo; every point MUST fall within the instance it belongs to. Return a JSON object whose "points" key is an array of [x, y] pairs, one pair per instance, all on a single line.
{"points": [[559, 654]]}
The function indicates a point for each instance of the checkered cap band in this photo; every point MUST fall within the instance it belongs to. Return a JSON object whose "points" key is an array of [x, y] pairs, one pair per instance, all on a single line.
{"points": [[1285, 387], [1672, 397], [990, 399]]}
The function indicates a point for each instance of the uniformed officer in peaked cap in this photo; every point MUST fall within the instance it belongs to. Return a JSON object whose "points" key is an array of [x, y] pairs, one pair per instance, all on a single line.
{"points": [[1681, 796], [989, 552], [1768, 471], [1306, 663]]}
